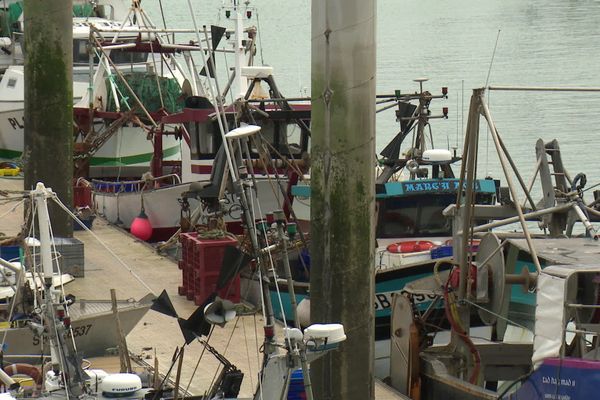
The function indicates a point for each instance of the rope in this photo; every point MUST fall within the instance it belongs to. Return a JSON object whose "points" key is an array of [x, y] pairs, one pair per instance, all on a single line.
{"points": [[495, 314], [213, 234], [160, 96], [187, 388], [248, 354], [262, 59]]}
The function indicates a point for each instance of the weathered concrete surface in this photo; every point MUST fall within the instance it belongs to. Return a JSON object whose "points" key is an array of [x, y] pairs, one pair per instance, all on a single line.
{"points": [[48, 150], [343, 191]]}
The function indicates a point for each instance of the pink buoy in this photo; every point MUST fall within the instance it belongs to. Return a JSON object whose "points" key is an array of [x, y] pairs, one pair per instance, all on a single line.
{"points": [[141, 227]]}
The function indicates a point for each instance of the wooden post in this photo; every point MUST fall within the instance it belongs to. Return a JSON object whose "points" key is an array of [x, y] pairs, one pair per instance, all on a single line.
{"points": [[48, 150], [178, 376], [156, 383], [343, 192], [123, 351]]}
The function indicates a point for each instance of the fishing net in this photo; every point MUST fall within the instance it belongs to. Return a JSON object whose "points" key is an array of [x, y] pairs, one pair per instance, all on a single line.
{"points": [[146, 88]]}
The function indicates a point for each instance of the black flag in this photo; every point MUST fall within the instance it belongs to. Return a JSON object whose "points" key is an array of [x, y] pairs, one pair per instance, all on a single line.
{"points": [[216, 34]]}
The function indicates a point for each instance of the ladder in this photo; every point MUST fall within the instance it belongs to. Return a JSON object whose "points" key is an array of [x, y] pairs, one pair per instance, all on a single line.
{"points": [[555, 183]]}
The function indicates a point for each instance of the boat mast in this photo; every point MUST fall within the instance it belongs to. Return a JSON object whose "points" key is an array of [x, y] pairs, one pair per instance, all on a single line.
{"points": [[40, 194], [241, 85]]}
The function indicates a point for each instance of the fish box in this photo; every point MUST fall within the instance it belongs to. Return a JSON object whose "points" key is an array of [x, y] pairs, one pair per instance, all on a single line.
{"points": [[69, 253], [10, 252]]}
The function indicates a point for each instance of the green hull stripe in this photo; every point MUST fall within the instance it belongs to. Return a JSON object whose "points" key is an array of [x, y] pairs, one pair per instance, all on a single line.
{"points": [[9, 154], [106, 161]]}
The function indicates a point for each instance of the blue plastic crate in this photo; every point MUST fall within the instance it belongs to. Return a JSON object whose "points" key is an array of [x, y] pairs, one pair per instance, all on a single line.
{"points": [[441, 251], [296, 389], [10, 252]]}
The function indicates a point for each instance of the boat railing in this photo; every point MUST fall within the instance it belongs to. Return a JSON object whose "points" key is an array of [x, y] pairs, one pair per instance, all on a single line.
{"points": [[133, 186]]}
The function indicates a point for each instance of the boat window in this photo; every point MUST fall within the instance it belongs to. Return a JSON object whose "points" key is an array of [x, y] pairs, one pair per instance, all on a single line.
{"points": [[287, 138], [119, 57], [412, 216], [127, 57], [12, 82], [80, 52], [420, 215], [292, 139], [205, 139]]}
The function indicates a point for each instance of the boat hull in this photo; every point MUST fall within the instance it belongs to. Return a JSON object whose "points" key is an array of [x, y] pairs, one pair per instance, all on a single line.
{"points": [[161, 205], [128, 147], [94, 332]]}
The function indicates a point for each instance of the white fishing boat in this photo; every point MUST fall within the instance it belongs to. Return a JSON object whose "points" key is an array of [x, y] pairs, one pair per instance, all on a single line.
{"points": [[128, 148], [285, 133]]}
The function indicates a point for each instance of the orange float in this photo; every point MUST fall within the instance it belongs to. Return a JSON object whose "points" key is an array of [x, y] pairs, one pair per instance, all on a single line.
{"points": [[411, 246]]}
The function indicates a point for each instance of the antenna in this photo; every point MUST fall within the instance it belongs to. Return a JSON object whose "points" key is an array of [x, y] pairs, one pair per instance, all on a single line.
{"points": [[487, 79]]}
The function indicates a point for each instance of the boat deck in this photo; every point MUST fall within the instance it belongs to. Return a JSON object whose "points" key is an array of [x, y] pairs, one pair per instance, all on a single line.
{"points": [[157, 333], [581, 251]]}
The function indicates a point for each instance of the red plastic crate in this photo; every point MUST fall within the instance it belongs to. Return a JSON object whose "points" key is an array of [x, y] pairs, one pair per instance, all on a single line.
{"points": [[204, 254], [201, 264], [205, 288], [82, 196]]}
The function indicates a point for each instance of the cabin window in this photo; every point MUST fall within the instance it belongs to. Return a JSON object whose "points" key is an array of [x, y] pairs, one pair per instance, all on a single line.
{"points": [[287, 138], [12, 82], [126, 57], [411, 216], [80, 52], [294, 139], [205, 139], [119, 57]]}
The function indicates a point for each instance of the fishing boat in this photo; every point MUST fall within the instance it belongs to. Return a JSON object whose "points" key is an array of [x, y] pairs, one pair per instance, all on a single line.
{"points": [[172, 197], [92, 325], [127, 149], [57, 328], [412, 191], [22, 290], [535, 294]]}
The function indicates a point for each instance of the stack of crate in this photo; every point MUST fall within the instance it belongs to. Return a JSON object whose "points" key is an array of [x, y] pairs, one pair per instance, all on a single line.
{"points": [[200, 263]]}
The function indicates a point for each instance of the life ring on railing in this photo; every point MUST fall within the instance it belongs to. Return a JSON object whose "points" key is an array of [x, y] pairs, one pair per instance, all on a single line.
{"points": [[411, 246], [24, 369]]}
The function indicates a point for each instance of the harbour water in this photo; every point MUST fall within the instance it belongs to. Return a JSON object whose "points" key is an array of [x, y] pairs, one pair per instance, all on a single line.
{"points": [[543, 42]]}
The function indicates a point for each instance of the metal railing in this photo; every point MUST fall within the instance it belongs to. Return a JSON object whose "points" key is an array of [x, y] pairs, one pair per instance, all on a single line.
{"points": [[134, 186]]}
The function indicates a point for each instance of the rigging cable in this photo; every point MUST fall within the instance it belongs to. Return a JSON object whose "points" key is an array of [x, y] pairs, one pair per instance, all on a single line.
{"points": [[262, 59], [120, 261], [487, 79]]}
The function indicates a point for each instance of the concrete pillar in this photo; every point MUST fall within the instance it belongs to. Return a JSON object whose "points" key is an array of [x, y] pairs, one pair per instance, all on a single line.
{"points": [[343, 192], [48, 148]]}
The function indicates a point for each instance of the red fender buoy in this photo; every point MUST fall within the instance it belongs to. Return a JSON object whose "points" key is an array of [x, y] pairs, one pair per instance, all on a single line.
{"points": [[411, 246], [141, 226]]}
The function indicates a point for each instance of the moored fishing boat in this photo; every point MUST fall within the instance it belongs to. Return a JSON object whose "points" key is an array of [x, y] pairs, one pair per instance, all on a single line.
{"points": [[536, 295], [412, 191], [257, 100], [128, 149]]}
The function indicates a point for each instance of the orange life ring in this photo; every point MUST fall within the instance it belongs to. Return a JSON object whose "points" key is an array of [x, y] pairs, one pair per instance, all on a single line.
{"points": [[24, 369], [411, 246]]}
